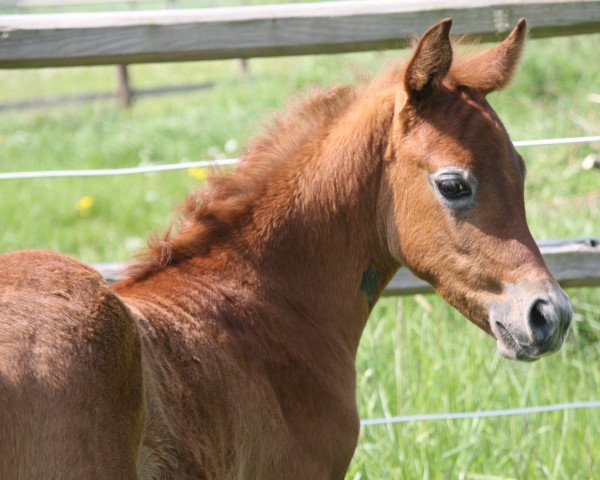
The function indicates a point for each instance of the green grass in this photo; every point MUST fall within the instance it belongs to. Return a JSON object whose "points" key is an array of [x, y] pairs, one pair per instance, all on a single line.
{"points": [[414, 361], [417, 355]]}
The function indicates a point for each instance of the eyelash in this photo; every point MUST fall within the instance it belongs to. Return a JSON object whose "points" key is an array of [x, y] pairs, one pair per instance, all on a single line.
{"points": [[456, 187], [453, 188]]}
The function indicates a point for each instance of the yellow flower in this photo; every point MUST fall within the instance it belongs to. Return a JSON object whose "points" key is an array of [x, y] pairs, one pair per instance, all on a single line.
{"points": [[84, 205], [198, 173], [2, 137]]}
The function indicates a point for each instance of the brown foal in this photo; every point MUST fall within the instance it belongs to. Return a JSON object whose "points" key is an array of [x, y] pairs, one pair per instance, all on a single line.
{"points": [[229, 352]]}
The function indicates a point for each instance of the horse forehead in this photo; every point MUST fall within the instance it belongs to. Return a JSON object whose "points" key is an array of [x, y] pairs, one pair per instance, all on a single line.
{"points": [[465, 130]]}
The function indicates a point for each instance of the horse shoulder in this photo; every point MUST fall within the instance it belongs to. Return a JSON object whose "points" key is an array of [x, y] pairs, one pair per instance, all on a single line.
{"points": [[232, 389]]}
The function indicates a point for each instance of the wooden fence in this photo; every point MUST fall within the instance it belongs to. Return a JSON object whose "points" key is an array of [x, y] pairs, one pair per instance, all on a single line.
{"points": [[574, 263], [51, 40]]}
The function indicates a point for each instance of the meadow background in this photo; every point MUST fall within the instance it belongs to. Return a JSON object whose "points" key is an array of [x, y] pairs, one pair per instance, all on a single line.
{"points": [[417, 355]]}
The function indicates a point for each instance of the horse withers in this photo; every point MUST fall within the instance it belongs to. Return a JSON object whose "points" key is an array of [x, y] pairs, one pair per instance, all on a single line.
{"points": [[229, 351]]}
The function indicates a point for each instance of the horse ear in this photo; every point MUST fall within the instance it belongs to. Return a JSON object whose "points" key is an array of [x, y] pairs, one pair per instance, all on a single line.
{"points": [[492, 69], [430, 61]]}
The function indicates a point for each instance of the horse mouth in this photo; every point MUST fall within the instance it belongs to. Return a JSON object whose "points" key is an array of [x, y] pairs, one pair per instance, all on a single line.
{"points": [[511, 349]]}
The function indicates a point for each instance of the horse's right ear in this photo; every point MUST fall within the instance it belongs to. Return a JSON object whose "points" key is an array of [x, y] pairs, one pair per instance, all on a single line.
{"points": [[430, 62]]}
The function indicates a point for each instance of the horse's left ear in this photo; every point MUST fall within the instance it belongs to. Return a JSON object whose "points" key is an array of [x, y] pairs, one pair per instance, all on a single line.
{"points": [[492, 69]]}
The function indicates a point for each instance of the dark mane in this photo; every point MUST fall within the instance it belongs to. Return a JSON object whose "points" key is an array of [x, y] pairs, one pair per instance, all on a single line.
{"points": [[206, 218]]}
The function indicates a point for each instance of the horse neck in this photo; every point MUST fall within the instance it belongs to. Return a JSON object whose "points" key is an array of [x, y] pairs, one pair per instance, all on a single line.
{"points": [[314, 249], [322, 246]]}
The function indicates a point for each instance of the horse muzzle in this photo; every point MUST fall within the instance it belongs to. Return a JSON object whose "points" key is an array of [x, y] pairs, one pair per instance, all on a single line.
{"points": [[531, 320]]}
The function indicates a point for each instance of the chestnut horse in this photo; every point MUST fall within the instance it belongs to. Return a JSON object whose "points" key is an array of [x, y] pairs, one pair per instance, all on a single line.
{"points": [[229, 352]]}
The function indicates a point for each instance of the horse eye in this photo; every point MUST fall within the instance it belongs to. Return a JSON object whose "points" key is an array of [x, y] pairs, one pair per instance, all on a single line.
{"points": [[453, 188]]}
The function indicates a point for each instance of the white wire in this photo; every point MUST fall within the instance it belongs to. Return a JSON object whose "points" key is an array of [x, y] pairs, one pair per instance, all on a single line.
{"points": [[229, 161], [556, 141], [481, 414], [105, 172]]}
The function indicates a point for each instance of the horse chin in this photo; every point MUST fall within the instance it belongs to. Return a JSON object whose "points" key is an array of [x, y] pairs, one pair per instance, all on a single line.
{"points": [[514, 352]]}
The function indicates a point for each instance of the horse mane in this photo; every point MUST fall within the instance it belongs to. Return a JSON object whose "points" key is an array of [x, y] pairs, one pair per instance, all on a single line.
{"points": [[208, 217]]}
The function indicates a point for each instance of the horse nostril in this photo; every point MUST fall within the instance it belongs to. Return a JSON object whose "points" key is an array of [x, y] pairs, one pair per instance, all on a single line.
{"points": [[542, 320], [536, 317]]}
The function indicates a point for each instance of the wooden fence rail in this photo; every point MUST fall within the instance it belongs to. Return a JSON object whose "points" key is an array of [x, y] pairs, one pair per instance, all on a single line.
{"points": [[574, 263], [50, 40]]}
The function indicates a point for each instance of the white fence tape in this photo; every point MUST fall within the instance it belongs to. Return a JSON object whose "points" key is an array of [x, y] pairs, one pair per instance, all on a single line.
{"points": [[556, 141], [224, 162], [481, 414], [107, 172]]}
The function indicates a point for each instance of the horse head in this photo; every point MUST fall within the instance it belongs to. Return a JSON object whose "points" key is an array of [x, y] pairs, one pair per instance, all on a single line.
{"points": [[454, 211]]}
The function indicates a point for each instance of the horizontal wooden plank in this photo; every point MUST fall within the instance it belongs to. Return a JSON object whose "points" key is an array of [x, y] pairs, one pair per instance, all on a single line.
{"points": [[78, 3], [47, 40], [573, 262]]}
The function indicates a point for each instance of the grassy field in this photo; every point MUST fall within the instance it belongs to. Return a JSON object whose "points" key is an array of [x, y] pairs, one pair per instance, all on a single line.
{"points": [[418, 355]]}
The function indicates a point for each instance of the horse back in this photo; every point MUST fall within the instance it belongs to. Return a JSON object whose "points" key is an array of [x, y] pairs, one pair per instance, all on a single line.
{"points": [[71, 390]]}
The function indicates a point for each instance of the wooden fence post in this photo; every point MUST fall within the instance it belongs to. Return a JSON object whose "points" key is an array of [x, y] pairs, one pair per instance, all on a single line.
{"points": [[124, 92], [243, 62]]}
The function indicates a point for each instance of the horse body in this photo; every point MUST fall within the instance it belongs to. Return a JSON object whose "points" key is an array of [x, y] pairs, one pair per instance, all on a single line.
{"points": [[230, 352], [214, 384], [243, 388]]}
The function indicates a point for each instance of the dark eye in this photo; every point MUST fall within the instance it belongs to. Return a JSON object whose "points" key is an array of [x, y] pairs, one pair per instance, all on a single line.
{"points": [[453, 187]]}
